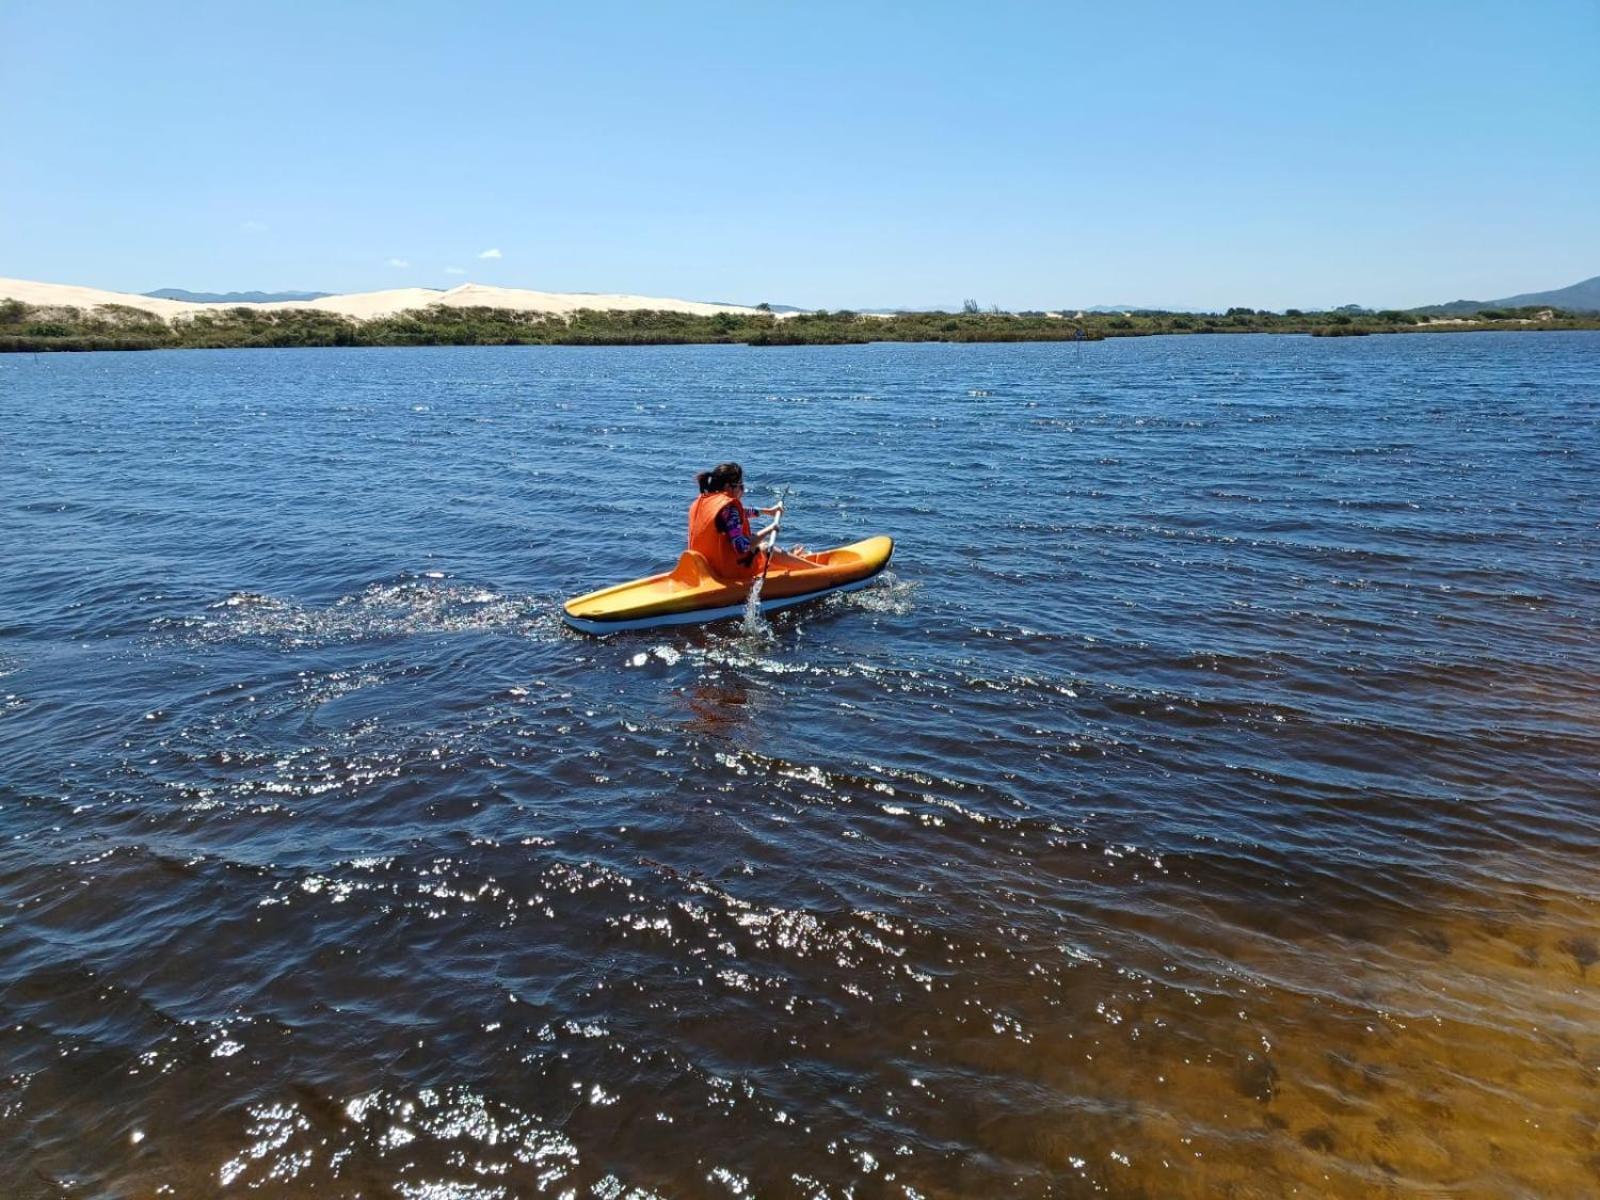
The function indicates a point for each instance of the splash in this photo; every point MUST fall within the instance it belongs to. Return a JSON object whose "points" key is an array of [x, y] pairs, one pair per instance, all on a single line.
{"points": [[410, 605], [888, 594], [754, 624]]}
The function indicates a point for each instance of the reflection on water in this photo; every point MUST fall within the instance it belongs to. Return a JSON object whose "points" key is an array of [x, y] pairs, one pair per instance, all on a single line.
{"points": [[720, 705], [1212, 817]]}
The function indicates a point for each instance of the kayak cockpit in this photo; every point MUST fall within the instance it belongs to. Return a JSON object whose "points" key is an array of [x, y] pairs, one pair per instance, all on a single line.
{"points": [[691, 592]]}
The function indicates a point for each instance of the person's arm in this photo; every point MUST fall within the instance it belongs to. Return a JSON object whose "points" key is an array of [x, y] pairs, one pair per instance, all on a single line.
{"points": [[732, 527]]}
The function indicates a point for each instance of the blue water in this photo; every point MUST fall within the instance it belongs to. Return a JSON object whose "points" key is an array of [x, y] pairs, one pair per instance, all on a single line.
{"points": [[1206, 800]]}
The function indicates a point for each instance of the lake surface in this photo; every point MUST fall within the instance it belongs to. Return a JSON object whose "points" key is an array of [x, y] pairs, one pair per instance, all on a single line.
{"points": [[1207, 804]]}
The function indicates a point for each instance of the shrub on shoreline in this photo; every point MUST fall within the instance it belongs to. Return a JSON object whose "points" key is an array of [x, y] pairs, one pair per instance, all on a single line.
{"points": [[28, 328]]}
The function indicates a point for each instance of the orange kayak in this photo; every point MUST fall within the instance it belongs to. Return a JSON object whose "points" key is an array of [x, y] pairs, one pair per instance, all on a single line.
{"points": [[689, 593]]}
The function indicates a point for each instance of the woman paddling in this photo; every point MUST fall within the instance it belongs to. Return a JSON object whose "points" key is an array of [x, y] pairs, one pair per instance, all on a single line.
{"points": [[719, 525], [724, 565]]}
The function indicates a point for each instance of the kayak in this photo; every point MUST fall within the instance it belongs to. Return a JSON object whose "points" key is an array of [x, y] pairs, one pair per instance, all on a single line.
{"points": [[690, 593]]}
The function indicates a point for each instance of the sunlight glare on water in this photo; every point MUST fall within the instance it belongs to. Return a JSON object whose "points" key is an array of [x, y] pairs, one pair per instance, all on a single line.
{"points": [[1203, 805]]}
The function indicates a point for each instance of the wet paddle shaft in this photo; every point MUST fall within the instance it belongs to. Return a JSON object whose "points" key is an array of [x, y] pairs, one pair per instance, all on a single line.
{"points": [[777, 524]]}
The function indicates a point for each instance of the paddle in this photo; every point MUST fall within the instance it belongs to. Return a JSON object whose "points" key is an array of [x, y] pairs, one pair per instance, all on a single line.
{"points": [[772, 542]]}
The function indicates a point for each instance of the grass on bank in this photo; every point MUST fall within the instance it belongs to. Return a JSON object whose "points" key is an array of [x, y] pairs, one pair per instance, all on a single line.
{"points": [[31, 329]]}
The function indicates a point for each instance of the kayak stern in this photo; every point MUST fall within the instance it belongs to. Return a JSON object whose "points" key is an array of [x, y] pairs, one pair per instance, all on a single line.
{"points": [[691, 594]]}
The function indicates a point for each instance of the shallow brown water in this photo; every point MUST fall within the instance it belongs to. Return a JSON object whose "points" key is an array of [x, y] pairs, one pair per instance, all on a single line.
{"points": [[1227, 830]]}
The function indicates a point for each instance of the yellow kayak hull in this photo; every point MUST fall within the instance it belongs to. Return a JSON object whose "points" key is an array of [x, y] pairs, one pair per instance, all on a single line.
{"points": [[690, 593]]}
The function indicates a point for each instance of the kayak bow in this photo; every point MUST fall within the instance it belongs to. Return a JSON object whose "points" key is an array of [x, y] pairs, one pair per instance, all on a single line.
{"points": [[690, 594]]}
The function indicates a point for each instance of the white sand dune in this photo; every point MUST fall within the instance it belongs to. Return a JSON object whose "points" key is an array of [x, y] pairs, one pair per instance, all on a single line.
{"points": [[365, 305], [360, 305], [62, 295], [473, 294]]}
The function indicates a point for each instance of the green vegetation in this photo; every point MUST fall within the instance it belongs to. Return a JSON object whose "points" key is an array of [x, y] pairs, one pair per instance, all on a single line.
{"points": [[27, 328]]}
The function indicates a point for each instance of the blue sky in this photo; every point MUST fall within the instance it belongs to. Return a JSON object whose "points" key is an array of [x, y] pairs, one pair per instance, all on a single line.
{"points": [[861, 155]]}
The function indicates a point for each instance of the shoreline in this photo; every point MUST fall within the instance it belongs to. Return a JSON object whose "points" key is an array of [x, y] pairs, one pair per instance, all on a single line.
{"points": [[34, 329]]}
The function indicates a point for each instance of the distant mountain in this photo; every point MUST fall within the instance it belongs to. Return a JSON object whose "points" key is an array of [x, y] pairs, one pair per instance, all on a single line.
{"points": [[1133, 308], [233, 297], [1580, 297]]}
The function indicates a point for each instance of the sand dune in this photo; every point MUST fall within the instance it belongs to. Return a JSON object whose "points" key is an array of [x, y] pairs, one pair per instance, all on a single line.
{"points": [[56, 295], [470, 294], [365, 305]]}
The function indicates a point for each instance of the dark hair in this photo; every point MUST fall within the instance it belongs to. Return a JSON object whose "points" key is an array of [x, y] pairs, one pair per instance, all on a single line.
{"points": [[721, 476]]}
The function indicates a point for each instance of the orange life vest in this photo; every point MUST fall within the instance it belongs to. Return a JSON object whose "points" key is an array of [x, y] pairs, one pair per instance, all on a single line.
{"points": [[705, 538]]}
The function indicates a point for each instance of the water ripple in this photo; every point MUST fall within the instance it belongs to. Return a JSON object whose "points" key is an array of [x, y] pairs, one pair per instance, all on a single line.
{"points": [[1203, 806]]}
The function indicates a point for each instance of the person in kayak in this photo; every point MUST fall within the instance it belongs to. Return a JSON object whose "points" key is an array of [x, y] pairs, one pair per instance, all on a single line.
{"points": [[719, 524]]}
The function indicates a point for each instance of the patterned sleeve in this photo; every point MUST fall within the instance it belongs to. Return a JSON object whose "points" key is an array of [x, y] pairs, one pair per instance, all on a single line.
{"points": [[733, 528]]}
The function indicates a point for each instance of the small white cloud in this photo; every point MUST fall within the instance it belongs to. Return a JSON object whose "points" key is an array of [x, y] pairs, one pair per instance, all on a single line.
{"points": [[491, 254], [399, 262], [454, 271], [253, 226]]}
